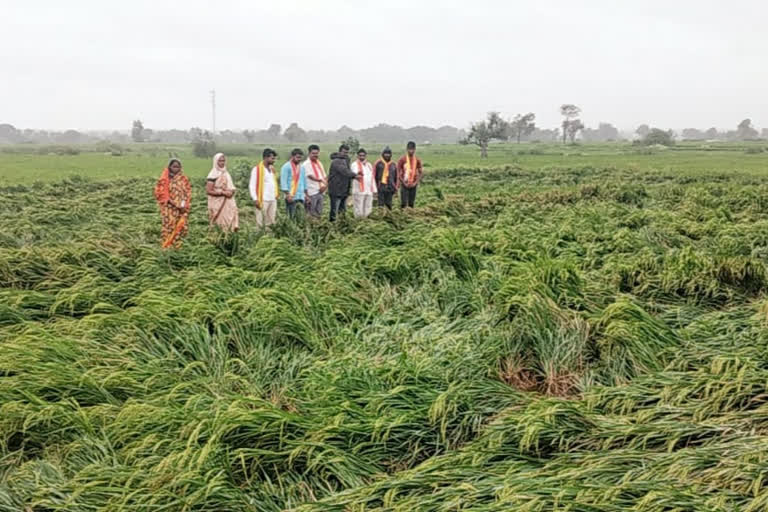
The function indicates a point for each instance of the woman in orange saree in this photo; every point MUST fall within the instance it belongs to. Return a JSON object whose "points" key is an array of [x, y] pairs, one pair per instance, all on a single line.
{"points": [[222, 209], [173, 195]]}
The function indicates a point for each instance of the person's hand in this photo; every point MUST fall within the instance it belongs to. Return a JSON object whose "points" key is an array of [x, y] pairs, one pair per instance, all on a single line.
{"points": [[289, 198], [257, 205], [230, 193]]}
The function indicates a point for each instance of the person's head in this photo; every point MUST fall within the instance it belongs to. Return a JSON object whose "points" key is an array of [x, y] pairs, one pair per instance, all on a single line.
{"points": [[297, 155], [174, 165], [411, 148], [314, 151], [344, 150], [386, 154], [220, 161], [361, 154], [269, 155]]}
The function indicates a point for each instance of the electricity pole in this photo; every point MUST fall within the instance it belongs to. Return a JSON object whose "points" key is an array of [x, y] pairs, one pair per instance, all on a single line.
{"points": [[213, 110]]}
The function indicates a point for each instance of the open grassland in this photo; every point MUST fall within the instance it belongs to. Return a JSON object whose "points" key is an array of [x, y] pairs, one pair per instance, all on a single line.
{"points": [[28, 164], [580, 332]]}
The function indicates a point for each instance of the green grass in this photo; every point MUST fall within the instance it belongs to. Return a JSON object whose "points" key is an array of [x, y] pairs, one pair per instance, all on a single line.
{"points": [[580, 332], [23, 164]]}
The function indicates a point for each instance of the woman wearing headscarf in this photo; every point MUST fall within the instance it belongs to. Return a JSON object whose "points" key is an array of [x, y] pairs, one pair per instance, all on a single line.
{"points": [[173, 195], [222, 209]]}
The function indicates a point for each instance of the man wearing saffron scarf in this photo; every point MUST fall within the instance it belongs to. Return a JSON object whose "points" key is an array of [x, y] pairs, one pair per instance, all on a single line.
{"points": [[293, 182], [316, 181], [386, 178], [263, 189], [173, 194], [364, 186], [409, 172]]}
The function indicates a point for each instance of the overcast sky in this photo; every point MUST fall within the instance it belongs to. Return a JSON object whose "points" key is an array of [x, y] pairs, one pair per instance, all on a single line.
{"points": [[100, 64]]}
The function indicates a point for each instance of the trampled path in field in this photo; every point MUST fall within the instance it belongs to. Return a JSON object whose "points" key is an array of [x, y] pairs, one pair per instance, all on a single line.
{"points": [[574, 338]]}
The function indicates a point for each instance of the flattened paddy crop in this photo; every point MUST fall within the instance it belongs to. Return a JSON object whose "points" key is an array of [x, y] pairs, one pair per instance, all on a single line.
{"points": [[583, 338]]}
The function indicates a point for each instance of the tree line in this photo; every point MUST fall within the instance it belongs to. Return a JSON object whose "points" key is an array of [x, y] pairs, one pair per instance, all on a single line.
{"points": [[520, 128], [523, 127]]}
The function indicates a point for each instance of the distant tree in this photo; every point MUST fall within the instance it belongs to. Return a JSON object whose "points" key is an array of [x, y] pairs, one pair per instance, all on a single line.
{"points": [[483, 132], [573, 127], [295, 134], [69, 137], [204, 146], [658, 136], [522, 125], [764, 133], [643, 130], [353, 144], [571, 124], [745, 130], [195, 133], [604, 132], [137, 131], [250, 135], [9, 133], [274, 131], [712, 133], [693, 134]]}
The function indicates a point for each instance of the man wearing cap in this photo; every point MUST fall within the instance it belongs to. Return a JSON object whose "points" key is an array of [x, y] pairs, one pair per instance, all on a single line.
{"points": [[386, 178], [409, 172]]}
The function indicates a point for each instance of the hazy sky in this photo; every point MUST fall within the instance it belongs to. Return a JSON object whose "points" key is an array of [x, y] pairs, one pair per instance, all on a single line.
{"points": [[100, 64]]}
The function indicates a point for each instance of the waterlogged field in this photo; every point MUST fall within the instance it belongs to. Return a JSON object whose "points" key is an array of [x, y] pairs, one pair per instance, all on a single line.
{"points": [[582, 332]]}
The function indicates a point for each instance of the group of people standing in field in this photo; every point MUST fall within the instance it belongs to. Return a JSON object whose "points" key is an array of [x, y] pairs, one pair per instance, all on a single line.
{"points": [[303, 183]]}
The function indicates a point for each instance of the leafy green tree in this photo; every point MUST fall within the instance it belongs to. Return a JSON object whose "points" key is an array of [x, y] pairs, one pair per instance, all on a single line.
{"points": [[522, 125], [643, 130], [274, 131], [137, 131], [295, 134], [353, 143], [658, 136], [250, 135], [571, 124], [483, 132], [745, 130], [204, 146]]}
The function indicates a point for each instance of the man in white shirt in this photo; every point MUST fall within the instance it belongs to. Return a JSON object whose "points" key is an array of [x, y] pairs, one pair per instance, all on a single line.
{"points": [[317, 182], [364, 186], [263, 189]]}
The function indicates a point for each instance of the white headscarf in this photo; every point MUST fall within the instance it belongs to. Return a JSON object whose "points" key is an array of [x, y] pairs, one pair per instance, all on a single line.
{"points": [[217, 171]]}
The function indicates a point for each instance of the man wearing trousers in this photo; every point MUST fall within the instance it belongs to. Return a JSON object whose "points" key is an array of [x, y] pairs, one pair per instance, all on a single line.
{"points": [[317, 183], [409, 171], [293, 183], [386, 178], [340, 175], [364, 187], [263, 189]]}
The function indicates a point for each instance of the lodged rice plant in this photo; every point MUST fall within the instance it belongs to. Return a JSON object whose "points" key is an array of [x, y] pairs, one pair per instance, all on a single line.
{"points": [[582, 337]]}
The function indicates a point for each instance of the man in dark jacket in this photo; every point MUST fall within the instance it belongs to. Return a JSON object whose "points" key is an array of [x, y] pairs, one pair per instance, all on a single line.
{"points": [[386, 178], [340, 177]]}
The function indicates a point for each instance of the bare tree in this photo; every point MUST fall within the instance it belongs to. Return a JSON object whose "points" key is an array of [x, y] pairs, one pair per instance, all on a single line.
{"points": [[483, 132]]}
